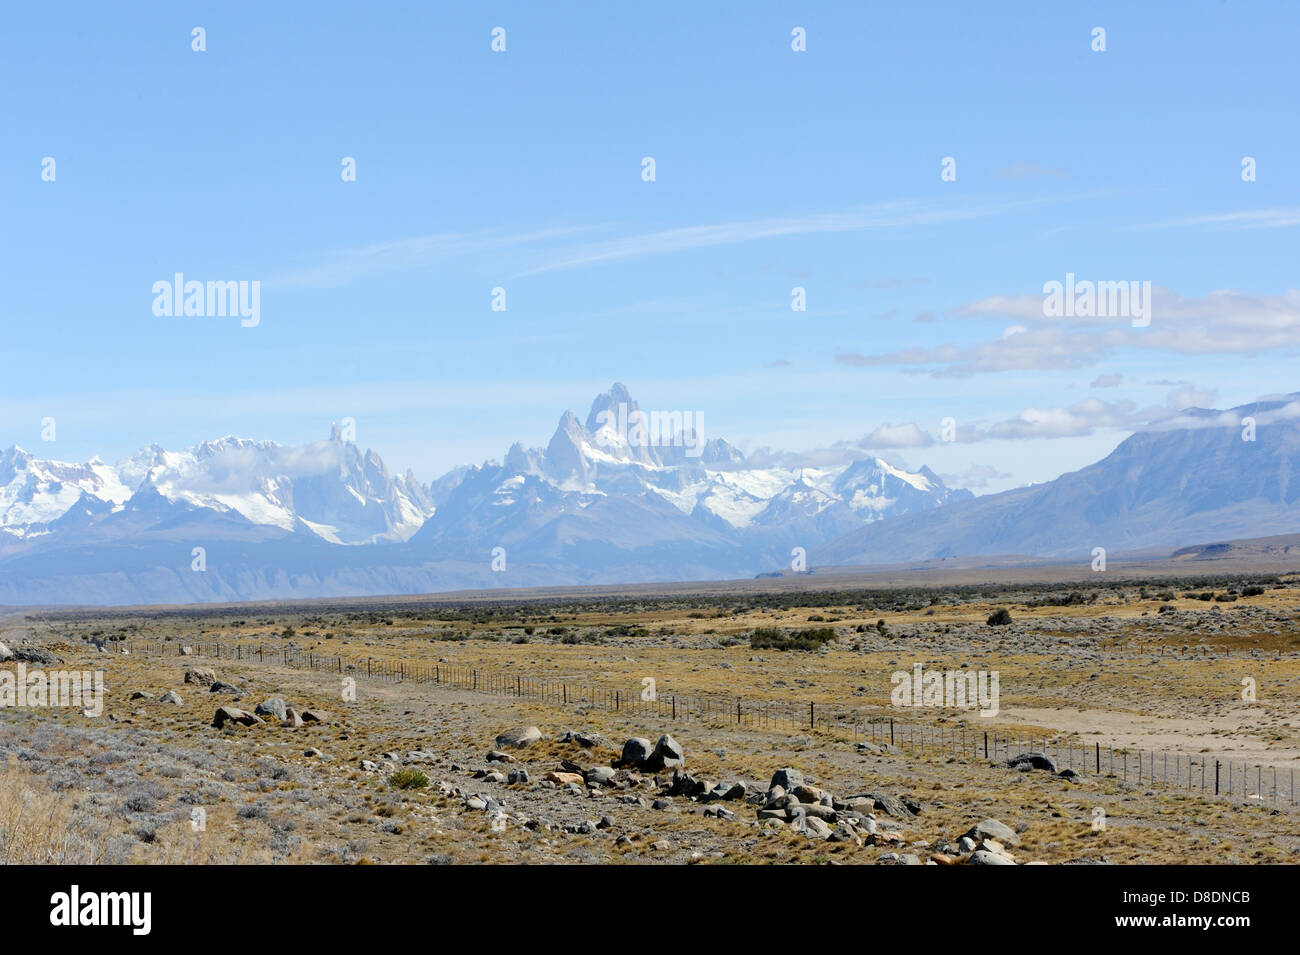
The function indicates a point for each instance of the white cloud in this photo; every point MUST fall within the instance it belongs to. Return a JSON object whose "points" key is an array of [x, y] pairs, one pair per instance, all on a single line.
{"points": [[1189, 397], [897, 436], [1218, 323], [976, 476]]}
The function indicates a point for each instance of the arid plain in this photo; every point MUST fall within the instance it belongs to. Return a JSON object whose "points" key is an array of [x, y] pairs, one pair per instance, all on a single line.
{"points": [[1201, 670]]}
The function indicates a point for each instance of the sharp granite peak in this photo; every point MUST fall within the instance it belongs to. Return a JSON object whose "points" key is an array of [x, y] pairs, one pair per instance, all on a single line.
{"points": [[622, 495], [664, 457]]}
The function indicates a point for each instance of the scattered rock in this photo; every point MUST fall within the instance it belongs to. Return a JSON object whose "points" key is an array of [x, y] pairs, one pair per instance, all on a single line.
{"points": [[816, 828], [728, 789], [818, 811], [684, 784], [587, 740], [272, 707], [230, 714], [600, 775], [518, 738], [667, 754], [636, 752], [892, 805], [36, 655], [1033, 761], [992, 829], [563, 779], [201, 676], [171, 696], [5, 653], [786, 778], [984, 857]]}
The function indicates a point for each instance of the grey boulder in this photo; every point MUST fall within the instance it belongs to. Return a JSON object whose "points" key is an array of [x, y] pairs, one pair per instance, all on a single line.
{"points": [[272, 707], [518, 738], [992, 829]]}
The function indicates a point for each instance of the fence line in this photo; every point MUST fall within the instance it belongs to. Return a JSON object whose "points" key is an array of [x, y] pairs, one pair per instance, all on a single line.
{"points": [[1250, 781]]}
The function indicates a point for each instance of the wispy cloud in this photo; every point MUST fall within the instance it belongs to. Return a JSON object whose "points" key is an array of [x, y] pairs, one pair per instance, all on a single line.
{"points": [[569, 247], [1275, 218], [884, 215], [398, 255]]}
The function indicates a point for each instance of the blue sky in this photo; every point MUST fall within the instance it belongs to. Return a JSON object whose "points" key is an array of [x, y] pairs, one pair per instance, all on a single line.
{"points": [[774, 169]]}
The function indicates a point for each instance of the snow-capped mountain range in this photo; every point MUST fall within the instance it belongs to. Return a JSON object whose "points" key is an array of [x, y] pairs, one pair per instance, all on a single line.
{"points": [[601, 501], [328, 488], [600, 504]]}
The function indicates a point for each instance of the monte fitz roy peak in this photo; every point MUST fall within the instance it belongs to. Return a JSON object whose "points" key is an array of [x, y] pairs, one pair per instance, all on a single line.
{"points": [[621, 497]]}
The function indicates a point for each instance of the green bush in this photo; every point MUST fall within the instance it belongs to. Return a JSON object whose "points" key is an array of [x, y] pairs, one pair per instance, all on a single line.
{"points": [[1000, 617], [772, 638], [408, 779]]}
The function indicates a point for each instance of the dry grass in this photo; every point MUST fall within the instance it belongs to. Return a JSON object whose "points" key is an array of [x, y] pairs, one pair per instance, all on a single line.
{"points": [[266, 801], [39, 826]]}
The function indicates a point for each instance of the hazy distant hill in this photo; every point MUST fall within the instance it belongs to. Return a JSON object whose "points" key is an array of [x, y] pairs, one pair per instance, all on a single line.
{"points": [[1191, 483]]}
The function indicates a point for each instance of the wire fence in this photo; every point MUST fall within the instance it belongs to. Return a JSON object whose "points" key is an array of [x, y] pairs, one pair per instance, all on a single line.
{"points": [[1253, 782]]}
